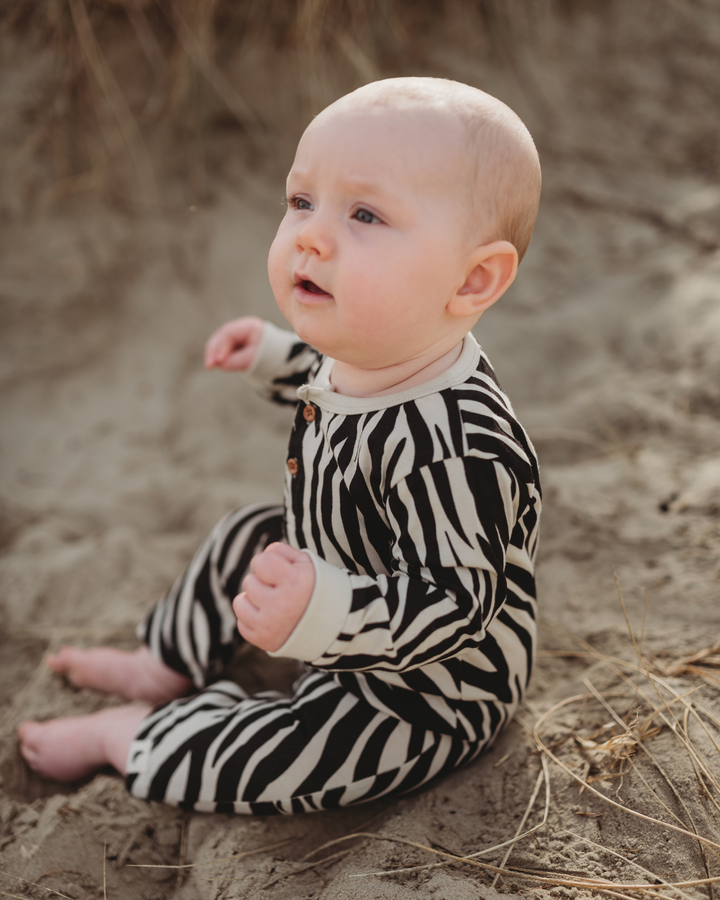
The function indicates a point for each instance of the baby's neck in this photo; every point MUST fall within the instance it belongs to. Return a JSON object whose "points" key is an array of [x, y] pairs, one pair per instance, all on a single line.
{"points": [[354, 382]]}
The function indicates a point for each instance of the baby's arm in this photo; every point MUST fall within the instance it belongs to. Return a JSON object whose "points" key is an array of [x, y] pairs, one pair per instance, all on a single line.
{"points": [[275, 596], [234, 345], [276, 360], [459, 535]]}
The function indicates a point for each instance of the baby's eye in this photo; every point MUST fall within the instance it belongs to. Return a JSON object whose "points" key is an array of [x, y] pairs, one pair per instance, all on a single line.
{"points": [[365, 216], [299, 203]]}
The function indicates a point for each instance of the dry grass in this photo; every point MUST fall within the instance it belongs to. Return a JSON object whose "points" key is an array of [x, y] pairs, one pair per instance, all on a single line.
{"points": [[640, 704], [588, 761], [599, 740], [138, 85]]}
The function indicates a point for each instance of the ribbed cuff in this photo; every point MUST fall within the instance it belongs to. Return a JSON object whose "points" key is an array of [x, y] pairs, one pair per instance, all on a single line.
{"points": [[322, 621]]}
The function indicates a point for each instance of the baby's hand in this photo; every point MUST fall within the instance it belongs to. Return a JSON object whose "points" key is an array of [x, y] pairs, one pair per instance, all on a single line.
{"points": [[275, 595], [233, 346]]}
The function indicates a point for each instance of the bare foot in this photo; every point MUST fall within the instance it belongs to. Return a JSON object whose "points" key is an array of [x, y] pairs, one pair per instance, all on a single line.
{"points": [[68, 749], [132, 676]]}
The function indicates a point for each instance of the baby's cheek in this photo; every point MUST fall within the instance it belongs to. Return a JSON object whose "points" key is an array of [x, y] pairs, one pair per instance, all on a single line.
{"points": [[279, 264]]}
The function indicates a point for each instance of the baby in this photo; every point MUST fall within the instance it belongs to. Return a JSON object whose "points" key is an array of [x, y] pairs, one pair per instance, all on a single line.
{"points": [[400, 569]]}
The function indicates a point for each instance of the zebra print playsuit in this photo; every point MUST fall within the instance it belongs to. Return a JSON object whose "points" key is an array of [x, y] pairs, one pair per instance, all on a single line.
{"points": [[420, 513]]}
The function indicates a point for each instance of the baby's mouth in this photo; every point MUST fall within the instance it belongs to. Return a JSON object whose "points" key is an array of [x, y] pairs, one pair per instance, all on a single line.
{"points": [[311, 288]]}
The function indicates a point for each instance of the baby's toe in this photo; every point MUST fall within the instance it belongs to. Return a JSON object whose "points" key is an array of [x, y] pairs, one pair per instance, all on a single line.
{"points": [[61, 661], [29, 734]]}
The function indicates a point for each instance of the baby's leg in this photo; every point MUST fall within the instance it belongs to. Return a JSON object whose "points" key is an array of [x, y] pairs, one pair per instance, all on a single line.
{"points": [[132, 676], [68, 749], [193, 630], [221, 751]]}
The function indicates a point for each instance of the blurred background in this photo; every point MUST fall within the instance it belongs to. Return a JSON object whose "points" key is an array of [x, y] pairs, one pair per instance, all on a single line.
{"points": [[143, 148], [144, 145]]}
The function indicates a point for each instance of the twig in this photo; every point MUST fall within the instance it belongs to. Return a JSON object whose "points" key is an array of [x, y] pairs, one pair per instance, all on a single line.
{"points": [[347, 835], [674, 725], [696, 768], [520, 827], [306, 867], [211, 862], [18, 879], [641, 658], [97, 65], [471, 857], [564, 880], [614, 663], [542, 746], [183, 847], [668, 780], [630, 862], [204, 64]]}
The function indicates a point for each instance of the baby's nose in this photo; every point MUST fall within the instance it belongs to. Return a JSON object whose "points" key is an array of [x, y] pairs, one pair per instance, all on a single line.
{"points": [[315, 237]]}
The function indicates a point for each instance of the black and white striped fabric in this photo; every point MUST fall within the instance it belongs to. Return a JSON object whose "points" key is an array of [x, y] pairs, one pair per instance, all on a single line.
{"points": [[420, 512]]}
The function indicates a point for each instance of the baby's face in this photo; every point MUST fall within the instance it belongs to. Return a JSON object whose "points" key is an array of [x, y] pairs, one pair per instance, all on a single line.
{"points": [[375, 240]]}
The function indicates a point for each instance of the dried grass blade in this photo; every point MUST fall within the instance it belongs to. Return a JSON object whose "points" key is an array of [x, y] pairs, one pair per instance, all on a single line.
{"points": [[215, 78], [147, 40], [598, 696], [306, 868], [183, 849], [543, 748], [18, 879], [343, 838], [640, 657], [566, 881], [675, 725], [630, 862], [98, 66], [616, 665], [520, 827], [696, 768], [544, 775], [596, 884], [211, 862]]}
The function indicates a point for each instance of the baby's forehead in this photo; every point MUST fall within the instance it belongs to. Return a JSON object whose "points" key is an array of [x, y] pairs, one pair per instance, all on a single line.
{"points": [[414, 135], [393, 113]]}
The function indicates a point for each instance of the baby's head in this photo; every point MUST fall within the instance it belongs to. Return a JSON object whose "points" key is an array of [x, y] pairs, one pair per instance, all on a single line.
{"points": [[495, 166], [410, 203]]}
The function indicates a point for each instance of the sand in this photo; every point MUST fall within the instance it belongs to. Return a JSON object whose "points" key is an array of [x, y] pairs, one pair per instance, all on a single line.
{"points": [[119, 453]]}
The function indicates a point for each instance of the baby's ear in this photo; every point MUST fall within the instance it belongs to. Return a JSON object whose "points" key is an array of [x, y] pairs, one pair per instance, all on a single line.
{"points": [[491, 271]]}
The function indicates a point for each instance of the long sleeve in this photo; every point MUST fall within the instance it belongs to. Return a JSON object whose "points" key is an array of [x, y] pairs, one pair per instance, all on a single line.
{"points": [[452, 524], [282, 363]]}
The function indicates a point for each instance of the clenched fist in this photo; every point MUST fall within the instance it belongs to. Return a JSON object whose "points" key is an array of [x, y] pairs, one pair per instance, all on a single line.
{"points": [[275, 595]]}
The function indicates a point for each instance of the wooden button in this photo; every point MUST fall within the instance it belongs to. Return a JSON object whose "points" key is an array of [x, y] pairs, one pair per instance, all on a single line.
{"points": [[293, 467], [309, 413]]}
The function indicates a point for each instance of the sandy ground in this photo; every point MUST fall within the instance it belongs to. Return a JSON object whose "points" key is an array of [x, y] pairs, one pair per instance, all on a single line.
{"points": [[119, 453]]}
